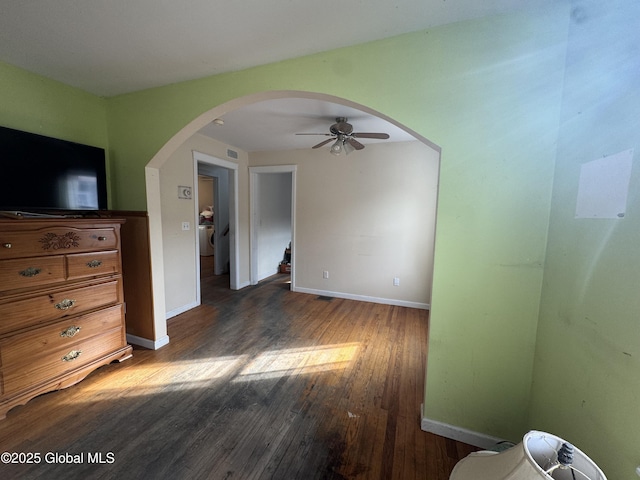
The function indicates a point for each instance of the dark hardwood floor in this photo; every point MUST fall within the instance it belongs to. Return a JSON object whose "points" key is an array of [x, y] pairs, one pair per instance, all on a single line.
{"points": [[262, 383]]}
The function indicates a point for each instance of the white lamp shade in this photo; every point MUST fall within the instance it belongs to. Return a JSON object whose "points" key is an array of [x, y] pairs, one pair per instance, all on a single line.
{"points": [[529, 460], [336, 148]]}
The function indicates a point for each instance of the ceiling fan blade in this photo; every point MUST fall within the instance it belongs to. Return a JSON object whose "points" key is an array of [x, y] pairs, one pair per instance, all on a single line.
{"points": [[355, 144], [381, 136], [325, 134], [323, 143]]}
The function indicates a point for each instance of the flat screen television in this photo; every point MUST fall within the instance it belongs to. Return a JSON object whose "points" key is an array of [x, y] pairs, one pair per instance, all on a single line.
{"points": [[40, 174]]}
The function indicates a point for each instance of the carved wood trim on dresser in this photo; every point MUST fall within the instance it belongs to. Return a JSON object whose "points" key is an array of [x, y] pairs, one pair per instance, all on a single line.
{"points": [[61, 304]]}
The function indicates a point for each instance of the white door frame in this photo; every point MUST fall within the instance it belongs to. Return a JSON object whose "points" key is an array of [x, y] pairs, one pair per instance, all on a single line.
{"points": [[234, 247], [254, 213]]}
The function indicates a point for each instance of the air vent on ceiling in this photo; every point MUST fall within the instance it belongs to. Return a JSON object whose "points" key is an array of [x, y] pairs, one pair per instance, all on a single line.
{"points": [[232, 153]]}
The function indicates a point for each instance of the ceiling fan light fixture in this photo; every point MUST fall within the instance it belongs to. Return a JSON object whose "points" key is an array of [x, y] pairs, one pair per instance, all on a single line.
{"points": [[348, 148], [336, 148], [345, 137]]}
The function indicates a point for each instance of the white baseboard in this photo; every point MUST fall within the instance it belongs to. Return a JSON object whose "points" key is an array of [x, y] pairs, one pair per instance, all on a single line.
{"points": [[459, 434], [261, 276], [184, 308], [146, 343], [363, 298]]}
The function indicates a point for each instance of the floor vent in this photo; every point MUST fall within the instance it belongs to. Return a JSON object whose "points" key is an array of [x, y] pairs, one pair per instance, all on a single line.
{"points": [[325, 298]]}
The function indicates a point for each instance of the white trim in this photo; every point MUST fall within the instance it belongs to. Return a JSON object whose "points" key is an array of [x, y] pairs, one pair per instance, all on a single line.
{"points": [[241, 285], [459, 434], [234, 221], [196, 223], [254, 213], [274, 169], [156, 249], [184, 308], [364, 298], [146, 343], [218, 267]]}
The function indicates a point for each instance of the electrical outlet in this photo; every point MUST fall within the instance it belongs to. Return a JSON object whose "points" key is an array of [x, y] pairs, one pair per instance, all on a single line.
{"points": [[186, 226], [325, 274]]}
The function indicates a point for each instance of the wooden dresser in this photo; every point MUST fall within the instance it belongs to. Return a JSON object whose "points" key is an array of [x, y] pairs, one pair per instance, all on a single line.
{"points": [[61, 304]]}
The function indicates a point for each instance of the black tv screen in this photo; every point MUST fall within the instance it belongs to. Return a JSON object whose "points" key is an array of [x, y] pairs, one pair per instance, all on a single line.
{"points": [[43, 174]]}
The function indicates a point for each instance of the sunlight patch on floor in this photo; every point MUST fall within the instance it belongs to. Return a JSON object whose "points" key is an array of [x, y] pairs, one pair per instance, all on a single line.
{"points": [[171, 376], [180, 375], [299, 361]]}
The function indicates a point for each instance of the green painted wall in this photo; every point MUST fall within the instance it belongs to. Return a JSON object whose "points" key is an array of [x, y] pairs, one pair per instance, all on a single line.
{"points": [[587, 371], [500, 112], [37, 104]]}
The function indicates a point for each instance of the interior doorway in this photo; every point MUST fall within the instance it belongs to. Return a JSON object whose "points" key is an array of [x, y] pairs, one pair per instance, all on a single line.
{"points": [[272, 221], [216, 210]]}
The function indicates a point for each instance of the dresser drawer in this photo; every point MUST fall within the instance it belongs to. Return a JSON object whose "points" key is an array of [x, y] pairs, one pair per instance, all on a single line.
{"points": [[31, 272], [56, 240], [35, 309], [53, 362], [82, 265], [23, 347]]}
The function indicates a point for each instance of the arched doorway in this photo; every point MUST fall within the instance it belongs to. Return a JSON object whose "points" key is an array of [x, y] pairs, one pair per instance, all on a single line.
{"points": [[154, 197]]}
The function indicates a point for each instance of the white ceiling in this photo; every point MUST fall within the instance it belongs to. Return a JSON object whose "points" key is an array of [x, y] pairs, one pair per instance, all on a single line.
{"points": [[110, 47], [273, 124]]}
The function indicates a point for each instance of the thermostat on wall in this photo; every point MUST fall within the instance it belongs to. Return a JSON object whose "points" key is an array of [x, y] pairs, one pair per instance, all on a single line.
{"points": [[184, 192]]}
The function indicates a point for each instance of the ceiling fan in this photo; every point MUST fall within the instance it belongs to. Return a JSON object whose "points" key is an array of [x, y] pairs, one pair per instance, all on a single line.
{"points": [[345, 138]]}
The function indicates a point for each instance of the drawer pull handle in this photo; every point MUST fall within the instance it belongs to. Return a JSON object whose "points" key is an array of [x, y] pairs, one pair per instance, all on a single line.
{"points": [[94, 263], [7, 245], [102, 239], [70, 332], [65, 304], [72, 355], [30, 272]]}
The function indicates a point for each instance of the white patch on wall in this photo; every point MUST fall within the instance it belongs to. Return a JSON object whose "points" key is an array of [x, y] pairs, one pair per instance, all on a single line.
{"points": [[184, 192], [604, 185]]}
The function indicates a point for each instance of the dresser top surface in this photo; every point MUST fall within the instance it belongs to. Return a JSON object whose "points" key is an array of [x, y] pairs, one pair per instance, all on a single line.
{"points": [[8, 224]]}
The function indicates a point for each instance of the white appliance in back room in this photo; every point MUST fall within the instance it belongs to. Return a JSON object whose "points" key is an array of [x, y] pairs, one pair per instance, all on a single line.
{"points": [[206, 240], [206, 228]]}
